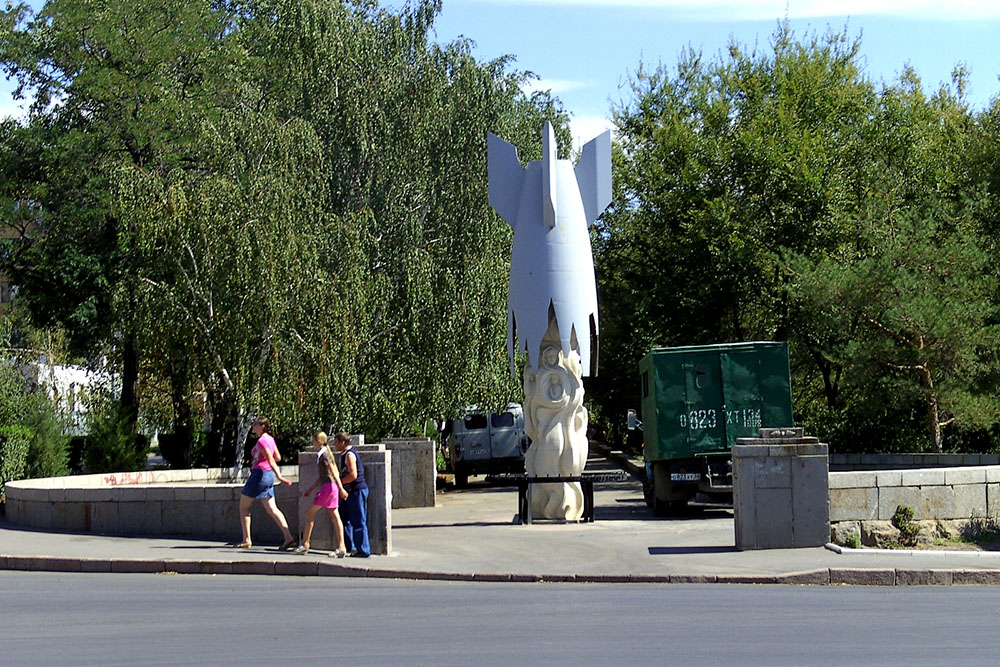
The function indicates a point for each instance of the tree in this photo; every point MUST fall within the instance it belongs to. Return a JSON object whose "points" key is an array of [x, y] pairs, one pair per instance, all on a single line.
{"points": [[922, 304]]}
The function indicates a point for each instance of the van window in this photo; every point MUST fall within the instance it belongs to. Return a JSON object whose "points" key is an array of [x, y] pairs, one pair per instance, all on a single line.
{"points": [[502, 420], [475, 422]]}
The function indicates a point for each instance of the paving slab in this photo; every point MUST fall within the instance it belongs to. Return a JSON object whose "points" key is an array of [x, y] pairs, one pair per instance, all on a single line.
{"points": [[470, 535]]}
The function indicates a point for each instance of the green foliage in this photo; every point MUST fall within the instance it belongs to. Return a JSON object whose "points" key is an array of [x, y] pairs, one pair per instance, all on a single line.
{"points": [[276, 205], [14, 442], [902, 519], [111, 444], [777, 193], [48, 448]]}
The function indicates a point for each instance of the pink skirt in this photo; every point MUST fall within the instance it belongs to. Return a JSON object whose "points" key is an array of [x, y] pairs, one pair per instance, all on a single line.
{"points": [[328, 496]]}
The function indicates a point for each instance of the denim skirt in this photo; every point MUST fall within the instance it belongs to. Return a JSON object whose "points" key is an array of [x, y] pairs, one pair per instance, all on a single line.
{"points": [[260, 484]]}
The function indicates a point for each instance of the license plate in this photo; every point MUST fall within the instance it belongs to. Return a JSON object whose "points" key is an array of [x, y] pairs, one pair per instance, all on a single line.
{"points": [[684, 476]]}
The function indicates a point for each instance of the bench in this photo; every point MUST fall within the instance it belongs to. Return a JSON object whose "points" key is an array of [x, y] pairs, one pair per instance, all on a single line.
{"points": [[586, 482]]}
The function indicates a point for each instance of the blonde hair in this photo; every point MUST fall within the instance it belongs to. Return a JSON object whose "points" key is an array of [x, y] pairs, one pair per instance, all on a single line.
{"points": [[320, 436]]}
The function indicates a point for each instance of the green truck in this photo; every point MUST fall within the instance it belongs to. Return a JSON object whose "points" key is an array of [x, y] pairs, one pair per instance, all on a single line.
{"points": [[696, 401]]}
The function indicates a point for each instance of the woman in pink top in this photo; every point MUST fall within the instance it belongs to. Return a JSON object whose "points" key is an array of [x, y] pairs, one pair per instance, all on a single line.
{"points": [[260, 485]]}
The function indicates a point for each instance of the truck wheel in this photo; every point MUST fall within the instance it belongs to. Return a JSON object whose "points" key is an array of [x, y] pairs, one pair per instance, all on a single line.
{"points": [[668, 498]]}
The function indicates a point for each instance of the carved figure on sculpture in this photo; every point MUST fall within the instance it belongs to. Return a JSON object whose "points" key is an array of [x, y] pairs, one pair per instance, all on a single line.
{"points": [[552, 305]]}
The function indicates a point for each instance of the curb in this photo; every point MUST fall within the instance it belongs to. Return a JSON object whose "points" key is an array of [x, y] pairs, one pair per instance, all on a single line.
{"points": [[819, 577]]}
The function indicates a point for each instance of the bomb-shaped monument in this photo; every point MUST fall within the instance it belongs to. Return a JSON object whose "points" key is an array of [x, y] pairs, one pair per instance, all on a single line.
{"points": [[552, 304]]}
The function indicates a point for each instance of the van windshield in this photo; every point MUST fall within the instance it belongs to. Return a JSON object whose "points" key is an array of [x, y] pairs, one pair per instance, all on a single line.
{"points": [[502, 420], [475, 422]]}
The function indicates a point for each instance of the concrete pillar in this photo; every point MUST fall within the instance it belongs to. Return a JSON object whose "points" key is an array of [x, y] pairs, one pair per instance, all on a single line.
{"points": [[781, 490], [414, 472], [378, 466]]}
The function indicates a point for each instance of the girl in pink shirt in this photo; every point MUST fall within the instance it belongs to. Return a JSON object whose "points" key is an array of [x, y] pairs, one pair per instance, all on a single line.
{"points": [[260, 485]]}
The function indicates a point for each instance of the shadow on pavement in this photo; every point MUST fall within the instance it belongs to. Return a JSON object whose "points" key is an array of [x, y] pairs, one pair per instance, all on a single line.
{"points": [[674, 551]]}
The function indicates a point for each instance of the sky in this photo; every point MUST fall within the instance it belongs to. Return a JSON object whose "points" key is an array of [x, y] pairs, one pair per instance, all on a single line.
{"points": [[585, 51]]}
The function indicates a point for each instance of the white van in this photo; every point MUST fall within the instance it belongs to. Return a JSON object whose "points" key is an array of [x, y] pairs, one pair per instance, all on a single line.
{"points": [[489, 444]]}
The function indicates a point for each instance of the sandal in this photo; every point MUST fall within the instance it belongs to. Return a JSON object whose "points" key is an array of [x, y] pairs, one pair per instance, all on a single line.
{"points": [[337, 553], [243, 545], [288, 545], [300, 550]]}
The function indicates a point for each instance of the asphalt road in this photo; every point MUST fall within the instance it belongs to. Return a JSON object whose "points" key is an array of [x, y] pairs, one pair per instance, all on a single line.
{"points": [[124, 619]]}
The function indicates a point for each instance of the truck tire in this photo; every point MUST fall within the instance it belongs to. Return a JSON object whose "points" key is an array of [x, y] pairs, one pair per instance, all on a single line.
{"points": [[461, 477], [668, 498]]}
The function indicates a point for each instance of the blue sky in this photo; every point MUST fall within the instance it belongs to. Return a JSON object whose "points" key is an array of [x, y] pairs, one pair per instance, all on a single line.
{"points": [[585, 50]]}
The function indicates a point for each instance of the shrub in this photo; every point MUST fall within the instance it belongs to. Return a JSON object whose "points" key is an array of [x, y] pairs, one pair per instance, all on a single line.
{"points": [[111, 446], [13, 453], [48, 449], [902, 519]]}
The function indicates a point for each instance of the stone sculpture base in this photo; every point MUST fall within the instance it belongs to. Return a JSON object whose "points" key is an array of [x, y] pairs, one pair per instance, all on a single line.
{"points": [[556, 422]]}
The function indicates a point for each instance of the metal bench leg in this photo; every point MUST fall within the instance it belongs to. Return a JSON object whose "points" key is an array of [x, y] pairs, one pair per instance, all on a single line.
{"points": [[588, 500]]}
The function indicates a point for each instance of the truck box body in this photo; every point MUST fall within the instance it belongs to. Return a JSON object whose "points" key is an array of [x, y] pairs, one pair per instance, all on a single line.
{"points": [[700, 399]]}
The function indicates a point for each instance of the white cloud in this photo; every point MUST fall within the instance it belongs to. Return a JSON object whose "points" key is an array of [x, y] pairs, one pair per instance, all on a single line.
{"points": [[585, 128], [752, 10], [557, 86]]}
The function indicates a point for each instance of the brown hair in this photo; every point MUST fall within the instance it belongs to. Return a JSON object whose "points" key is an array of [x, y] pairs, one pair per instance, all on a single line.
{"points": [[342, 436], [265, 424]]}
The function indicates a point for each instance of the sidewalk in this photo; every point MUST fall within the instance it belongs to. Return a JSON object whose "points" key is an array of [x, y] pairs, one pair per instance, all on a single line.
{"points": [[470, 536]]}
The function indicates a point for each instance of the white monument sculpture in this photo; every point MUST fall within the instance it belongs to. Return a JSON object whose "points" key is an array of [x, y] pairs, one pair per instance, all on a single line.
{"points": [[552, 305]]}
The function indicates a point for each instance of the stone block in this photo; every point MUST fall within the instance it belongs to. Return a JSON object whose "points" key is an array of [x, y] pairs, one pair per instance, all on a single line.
{"points": [[969, 501], [951, 460], [165, 494], [37, 514], [300, 567], [853, 504], [253, 567], [129, 494], [140, 518], [179, 518], [923, 477], [13, 511], [136, 565], [809, 577], [225, 520], [956, 476], [190, 493], [772, 473], [989, 459], [863, 576], [975, 577], [852, 480], [923, 577], [198, 566], [993, 474], [888, 478], [84, 494], [70, 517], [414, 472], [223, 492], [993, 499], [772, 525], [810, 501], [104, 518], [891, 498]]}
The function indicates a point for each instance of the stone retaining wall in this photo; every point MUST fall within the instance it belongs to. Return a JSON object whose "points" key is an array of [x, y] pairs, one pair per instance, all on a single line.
{"points": [[850, 462], [189, 503], [932, 493]]}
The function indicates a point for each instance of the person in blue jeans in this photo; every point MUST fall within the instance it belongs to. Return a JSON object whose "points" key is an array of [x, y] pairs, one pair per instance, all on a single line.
{"points": [[354, 509]]}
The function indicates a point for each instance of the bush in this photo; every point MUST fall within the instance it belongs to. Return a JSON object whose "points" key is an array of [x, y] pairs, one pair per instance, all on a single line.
{"points": [[13, 453], [48, 449], [111, 446]]}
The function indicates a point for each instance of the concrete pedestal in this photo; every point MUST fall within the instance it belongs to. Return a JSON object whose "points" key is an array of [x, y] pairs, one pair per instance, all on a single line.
{"points": [[378, 466], [414, 472], [781, 490]]}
